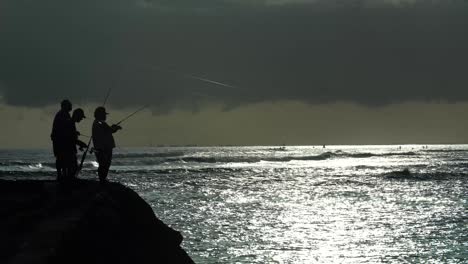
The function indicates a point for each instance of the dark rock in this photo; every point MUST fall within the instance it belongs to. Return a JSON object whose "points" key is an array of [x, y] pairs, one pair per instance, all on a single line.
{"points": [[83, 222]]}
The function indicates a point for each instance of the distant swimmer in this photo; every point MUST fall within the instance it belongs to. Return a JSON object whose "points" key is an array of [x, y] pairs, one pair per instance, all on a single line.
{"points": [[103, 142], [323, 146]]}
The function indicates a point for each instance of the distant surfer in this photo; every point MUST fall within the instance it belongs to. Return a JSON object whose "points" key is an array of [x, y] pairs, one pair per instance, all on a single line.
{"points": [[103, 142]]}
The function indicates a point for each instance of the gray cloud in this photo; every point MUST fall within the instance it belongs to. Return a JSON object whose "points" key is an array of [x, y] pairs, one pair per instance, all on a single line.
{"points": [[369, 52]]}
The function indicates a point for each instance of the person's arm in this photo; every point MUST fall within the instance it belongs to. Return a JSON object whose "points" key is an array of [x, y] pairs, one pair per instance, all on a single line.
{"points": [[53, 134], [57, 128], [81, 144], [115, 128]]}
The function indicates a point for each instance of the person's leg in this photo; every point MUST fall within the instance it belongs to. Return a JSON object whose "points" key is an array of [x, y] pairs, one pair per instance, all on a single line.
{"points": [[101, 160], [68, 167], [105, 171], [60, 166], [104, 165], [57, 161], [74, 166], [102, 172]]}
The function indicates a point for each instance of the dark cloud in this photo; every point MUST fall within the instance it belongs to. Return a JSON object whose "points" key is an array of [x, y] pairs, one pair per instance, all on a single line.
{"points": [[370, 52]]}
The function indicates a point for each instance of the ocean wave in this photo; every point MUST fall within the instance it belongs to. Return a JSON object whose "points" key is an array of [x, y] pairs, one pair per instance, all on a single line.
{"points": [[27, 174], [127, 172], [323, 156], [445, 150], [228, 159], [345, 182], [21, 163], [406, 174], [369, 155], [141, 159], [148, 155], [26, 165], [145, 172], [400, 175]]}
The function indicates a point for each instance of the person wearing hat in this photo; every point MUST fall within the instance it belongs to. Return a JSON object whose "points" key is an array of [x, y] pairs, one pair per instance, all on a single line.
{"points": [[77, 116], [103, 142]]}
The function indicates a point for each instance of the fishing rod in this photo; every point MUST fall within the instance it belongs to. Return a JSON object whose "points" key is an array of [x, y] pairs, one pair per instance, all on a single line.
{"points": [[132, 114], [90, 139], [107, 96]]}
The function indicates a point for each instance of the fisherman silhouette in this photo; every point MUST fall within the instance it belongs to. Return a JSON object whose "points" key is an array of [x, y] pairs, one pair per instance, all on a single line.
{"points": [[77, 116], [61, 139], [64, 140], [103, 142]]}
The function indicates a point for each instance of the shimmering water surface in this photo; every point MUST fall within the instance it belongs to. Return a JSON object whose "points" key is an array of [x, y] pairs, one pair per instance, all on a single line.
{"points": [[339, 204]]}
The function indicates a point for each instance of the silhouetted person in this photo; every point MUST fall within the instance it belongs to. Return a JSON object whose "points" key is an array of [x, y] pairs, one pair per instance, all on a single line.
{"points": [[77, 116], [103, 142], [61, 139]]}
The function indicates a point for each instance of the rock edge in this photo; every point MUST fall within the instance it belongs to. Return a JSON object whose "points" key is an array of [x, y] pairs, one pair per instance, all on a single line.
{"points": [[83, 222]]}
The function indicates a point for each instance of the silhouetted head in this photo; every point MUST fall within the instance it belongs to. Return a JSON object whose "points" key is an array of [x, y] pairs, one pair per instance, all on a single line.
{"points": [[100, 113], [66, 105], [78, 115]]}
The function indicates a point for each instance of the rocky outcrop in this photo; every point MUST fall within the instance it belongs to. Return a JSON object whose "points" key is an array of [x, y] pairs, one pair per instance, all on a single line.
{"points": [[83, 222]]}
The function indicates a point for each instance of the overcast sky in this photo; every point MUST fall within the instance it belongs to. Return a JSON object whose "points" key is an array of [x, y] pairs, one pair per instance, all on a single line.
{"points": [[372, 54]]}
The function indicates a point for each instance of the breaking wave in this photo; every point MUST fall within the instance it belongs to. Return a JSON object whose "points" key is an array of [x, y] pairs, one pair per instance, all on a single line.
{"points": [[406, 174], [323, 156], [24, 165], [148, 155], [445, 150]]}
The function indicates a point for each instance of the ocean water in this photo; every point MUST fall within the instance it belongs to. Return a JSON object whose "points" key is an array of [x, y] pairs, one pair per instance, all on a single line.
{"points": [[301, 204]]}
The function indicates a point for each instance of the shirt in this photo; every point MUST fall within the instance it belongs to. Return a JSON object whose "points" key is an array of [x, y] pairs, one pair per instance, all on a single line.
{"points": [[63, 136], [102, 136]]}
